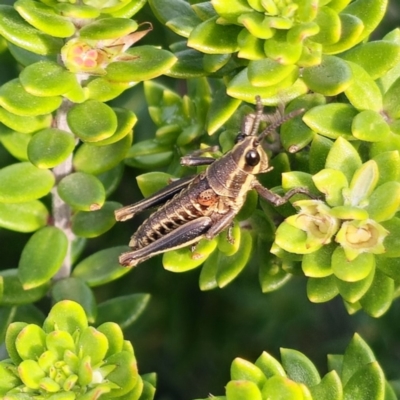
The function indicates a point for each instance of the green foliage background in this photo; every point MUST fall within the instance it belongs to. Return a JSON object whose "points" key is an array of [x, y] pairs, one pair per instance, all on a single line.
{"points": [[190, 337]]}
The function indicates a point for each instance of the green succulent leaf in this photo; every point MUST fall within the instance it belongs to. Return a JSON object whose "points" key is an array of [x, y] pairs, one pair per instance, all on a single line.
{"points": [[237, 390], [185, 259], [66, 315], [147, 62], [354, 291], [24, 124], [166, 11], [392, 240], [111, 179], [354, 270], [98, 159], [91, 224], [101, 267], [357, 355], [332, 120], [220, 111], [125, 375], [384, 202], [379, 297], [391, 100], [287, 89], [12, 333], [17, 31], [15, 99], [212, 38], [42, 257], [279, 387], [30, 342], [230, 266], [50, 147], [102, 89], [320, 290], [15, 143], [92, 121], [318, 263], [376, 58], [30, 373], [351, 29], [123, 310], [149, 154], [330, 26], [343, 157], [388, 163], [331, 77], [76, 289], [126, 120], [44, 18], [299, 368], [272, 274], [108, 28], [245, 370], [370, 126], [82, 191], [367, 383], [58, 80], [330, 387], [363, 92], [23, 217], [370, 13], [14, 293], [388, 266], [269, 365], [114, 335]]}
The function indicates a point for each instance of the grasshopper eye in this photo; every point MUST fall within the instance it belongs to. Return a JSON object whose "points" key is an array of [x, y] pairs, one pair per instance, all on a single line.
{"points": [[252, 158]]}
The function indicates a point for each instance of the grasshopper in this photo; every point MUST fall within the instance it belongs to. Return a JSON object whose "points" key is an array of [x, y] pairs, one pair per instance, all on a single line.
{"points": [[203, 206]]}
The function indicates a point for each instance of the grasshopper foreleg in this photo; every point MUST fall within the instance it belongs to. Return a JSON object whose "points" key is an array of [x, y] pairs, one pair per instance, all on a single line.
{"points": [[192, 161], [187, 234], [195, 158], [274, 198]]}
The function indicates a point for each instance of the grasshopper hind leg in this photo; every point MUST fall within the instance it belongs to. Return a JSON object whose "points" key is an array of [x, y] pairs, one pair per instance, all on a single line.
{"points": [[185, 235]]}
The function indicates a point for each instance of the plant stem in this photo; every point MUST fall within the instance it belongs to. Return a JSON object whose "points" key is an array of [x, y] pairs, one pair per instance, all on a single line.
{"points": [[61, 211]]}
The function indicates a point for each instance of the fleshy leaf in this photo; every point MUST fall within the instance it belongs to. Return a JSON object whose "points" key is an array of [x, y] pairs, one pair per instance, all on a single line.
{"points": [[14, 293], [101, 267], [299, 368], [15, 99], [44, 18], [92, 121], [66, 315], [352, 271], [50, 147], [17, 31], [98, 159], [91, 224], [331, 77], [123, 310], [23, 217], [147, 62], [42, 257], [76, 290], [82, 191]]}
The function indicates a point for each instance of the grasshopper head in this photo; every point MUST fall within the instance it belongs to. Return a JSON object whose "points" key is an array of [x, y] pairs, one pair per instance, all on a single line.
{"points": [[250, 156], [248, 152]]}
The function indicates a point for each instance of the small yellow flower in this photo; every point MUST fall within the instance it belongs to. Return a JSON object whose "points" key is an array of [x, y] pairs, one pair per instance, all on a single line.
{"points": [[358, 237]]}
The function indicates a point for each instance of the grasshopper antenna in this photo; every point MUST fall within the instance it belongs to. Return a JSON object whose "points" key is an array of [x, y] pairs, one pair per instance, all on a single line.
{"points": [[269, 129]]}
